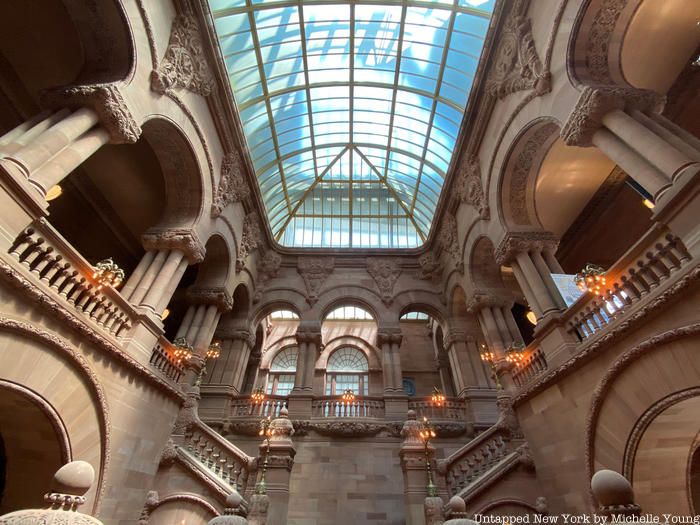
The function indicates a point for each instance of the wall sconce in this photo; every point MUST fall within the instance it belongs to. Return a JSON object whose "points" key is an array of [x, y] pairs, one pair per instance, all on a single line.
{"points": [[530, 316], [165, 314], [591, 279], [107, 273]]}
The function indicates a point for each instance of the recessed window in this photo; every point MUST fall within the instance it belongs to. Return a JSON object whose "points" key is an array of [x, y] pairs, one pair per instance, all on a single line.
{"points": [[347, 369]]}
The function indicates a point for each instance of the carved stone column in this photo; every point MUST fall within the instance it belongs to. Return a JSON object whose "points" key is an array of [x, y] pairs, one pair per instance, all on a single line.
{"points": [[413, 456], [395, 400], [309, 340], [280, 460]]}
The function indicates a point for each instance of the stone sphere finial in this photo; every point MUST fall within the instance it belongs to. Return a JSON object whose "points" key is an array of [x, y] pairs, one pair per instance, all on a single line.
{"points": [[233, 501], [411, 414], [74, 478], [457, 504], [232, 512], [611, 488], [284, 412]]}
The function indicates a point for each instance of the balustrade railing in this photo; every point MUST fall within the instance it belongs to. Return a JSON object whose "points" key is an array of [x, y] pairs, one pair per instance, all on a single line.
{"points": [[532, 365], [646, 266], [476, 458], [218, 456], [244, 406], [50, 258], [451, 409], [360, 407], [162, 359]]}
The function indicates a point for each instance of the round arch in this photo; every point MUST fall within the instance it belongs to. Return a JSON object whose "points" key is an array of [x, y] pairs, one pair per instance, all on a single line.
{"points": [[278, 299], [350, 296], [182, 508], [370, 352], [214, 270], [423, 301], [483, 270]]}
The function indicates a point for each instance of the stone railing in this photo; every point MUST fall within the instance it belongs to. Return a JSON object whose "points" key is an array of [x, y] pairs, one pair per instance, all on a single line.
{"points": [[651, 262], [475, 459], [533, 364], [244, 406], [63, 271], [361, 407], [450, 409], [162, 359], [218, 457]]}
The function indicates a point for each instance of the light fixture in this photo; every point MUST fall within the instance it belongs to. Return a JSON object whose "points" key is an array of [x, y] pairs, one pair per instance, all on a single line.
{"points": [[54, 193], [348, 396], [426, 433], [258, 395], [530, 316], [515, 353], [648, 203], [165, 314], [437, 397], [591, 279], [107, 273], [266, 432], [214, 350], [183, 350]]}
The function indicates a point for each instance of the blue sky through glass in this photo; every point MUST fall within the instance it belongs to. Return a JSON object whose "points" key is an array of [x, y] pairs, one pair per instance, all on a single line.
{"points": [[351, 111]]}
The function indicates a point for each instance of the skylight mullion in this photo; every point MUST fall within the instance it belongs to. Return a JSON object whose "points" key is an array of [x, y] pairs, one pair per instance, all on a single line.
{"points": [[302, 27], [351, 117], [263, 81], [438, 84]]}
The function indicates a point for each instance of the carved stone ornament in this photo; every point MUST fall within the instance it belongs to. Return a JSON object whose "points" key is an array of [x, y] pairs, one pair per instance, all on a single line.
{"points": [[519, 242], [250, 240], [257, 513], [448, 237], [385, 272], [188, 413], [152, 501], [430, 267], [432, 509], [517, 66], [218, 297], [232, 185], [169, 454], [314, 271], [268, 268], [469, 188], [185, 240], [104, 99], [599, 39], [488, 299], [410, 432], [507, 418], [348, 428], [184, 64], [597, 101]]}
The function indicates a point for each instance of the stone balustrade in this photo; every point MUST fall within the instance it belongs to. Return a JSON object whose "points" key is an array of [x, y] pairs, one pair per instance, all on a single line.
{"points": [[450, 409], [244, 406], [63, 271], [533, 364], [651, 262], [361, 407], [162, 359], [218, 456], [475, 459]]}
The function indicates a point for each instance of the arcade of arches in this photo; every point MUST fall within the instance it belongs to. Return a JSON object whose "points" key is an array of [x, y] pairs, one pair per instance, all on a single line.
{"points": [[346, 294]]}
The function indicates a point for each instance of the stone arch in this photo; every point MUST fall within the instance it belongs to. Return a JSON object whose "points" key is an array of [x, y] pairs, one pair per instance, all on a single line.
{"points": [[618, 403], [241, 302], [420, 300], [214, 270], [507, 507], [516, 203], [36, 442], [483, 270], [184, 179], [176, 508], [277, 300], [370, 352], [274, 349], [458, 302], [350, 296], [81, 402]]}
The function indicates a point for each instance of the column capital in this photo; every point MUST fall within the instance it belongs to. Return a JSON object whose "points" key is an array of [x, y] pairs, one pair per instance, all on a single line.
{"points": [[597, 101], [309, 333], [218, 297], [104, 99], [182, 239], [236, 334], [454, 335], [389, 336], [514, 243], [485, 298]]}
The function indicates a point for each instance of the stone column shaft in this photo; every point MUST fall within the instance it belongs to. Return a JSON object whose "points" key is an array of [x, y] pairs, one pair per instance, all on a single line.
{"points": [[149, 276], [386, 367], [666, 134], [172, 286], [27, 131], [503, 328], [536, 283], [300, 375], [687, 137], [205, 332], [186, 321], [512, 325], [544, 271], [193, 329], [397, 373], [138, 273], [493, 335], [527, 290], [163, 280], [552, 262]]}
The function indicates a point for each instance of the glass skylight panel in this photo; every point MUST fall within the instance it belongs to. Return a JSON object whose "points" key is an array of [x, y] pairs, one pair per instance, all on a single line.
{"points": [[351, 110]]}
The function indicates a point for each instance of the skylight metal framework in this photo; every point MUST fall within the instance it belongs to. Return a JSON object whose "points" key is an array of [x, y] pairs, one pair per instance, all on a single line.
{"points": [[351, 110]]}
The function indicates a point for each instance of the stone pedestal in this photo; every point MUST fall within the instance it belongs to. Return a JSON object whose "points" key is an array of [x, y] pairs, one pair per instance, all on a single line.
{"points": [[280, 460], [395, 406], [300, 405], [413, 467]]}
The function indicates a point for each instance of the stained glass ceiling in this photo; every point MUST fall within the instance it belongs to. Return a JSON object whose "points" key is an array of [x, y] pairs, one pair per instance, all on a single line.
{"points": [[351, 110]]}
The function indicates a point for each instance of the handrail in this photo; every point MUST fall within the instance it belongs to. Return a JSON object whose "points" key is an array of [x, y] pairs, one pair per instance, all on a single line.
{"points": [[532, 365], [162, 359], [451, 408], [360, 407], [244, 406]]}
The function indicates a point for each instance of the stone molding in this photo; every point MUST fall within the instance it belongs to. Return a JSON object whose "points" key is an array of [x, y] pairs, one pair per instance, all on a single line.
{"points": [[236, 334], [268, 268], [600, 36], [597, 101], [251, 239], [314, 271], [454, 335], [153, 501], [515, 243], [104, 99], [485, 299], [232, 184], [517, 66], [185, 64], [469, 188], [385, 273], [219, 297], [181, 239], [430, 267]]}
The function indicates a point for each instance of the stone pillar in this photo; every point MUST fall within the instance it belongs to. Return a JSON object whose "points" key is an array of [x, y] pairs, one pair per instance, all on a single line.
{"points": [[463, 376], [413, 455], [444, 368], [280, 460], [625, 124], [395, 400], [309, 340]]}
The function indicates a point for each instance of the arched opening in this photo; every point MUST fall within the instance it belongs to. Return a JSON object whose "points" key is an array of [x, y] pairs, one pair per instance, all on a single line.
{"points": [[280, 379], [347, 369], [421, 352], [32, 447]]}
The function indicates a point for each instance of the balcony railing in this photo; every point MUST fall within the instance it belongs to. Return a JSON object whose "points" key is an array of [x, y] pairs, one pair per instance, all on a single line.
{"points": [[530, 367], [162, 359], [244, 406], [651, 262], [450, 409], [361, 407], [62, 270]]}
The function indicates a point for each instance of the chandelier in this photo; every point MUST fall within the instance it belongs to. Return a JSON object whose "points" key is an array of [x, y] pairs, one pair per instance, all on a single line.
{"points": [[214, 350], [437, 397], [348, 396], [515, 353], [258, 395], [107, 273], [591, 279], [183, 350]]}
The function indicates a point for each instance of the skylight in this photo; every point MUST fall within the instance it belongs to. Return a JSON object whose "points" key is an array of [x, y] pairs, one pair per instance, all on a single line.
{"points": [[351, 111]]}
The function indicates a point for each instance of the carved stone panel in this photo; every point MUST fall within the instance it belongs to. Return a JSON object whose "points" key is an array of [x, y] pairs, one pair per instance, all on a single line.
{"points": [[314, 271], [469, 188], [385, 272], [232, 185]]}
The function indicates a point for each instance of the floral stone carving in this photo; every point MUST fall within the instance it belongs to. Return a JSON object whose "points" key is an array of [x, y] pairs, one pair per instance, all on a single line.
{"points": [[314, 271], [385, 272], [469, 188], [252, 238], [232, 185]]}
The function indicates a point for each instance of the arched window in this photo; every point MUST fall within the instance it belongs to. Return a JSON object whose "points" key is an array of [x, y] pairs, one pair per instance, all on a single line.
{"points": [[280, 381], [347, 369]]}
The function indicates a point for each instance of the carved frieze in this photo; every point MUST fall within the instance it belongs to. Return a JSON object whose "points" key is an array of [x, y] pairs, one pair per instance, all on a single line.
{"points": [[385, 272], [185, 64], [104, 99], [314, 271], [517, 65], [469, 188], [250, 240], [520, 242], [232, 185], [185, 240], [599, 39]]}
